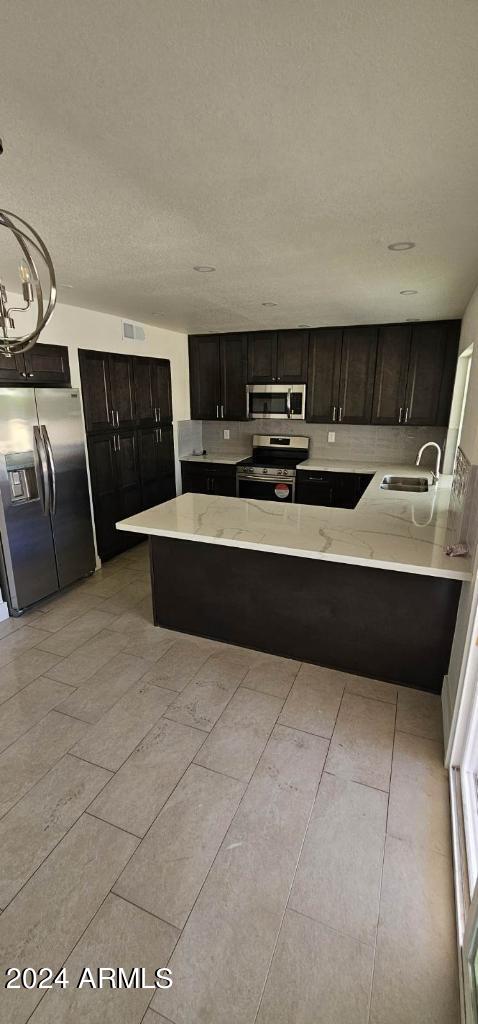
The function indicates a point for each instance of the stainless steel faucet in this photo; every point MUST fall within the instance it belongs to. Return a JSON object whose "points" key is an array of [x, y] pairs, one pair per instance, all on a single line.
{"points": [[431, 444]]}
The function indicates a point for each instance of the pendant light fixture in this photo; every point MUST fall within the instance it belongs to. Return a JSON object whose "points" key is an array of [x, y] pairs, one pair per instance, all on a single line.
{"points": [[31, 247]]}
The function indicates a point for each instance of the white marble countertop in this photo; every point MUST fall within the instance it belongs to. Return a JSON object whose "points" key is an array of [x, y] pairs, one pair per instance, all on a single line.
{"points": [[405, 532], [223, 460]]}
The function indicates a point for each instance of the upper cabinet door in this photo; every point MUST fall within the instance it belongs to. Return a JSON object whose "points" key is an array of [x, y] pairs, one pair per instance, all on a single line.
{"points": [[292, 356], [431, 373], [12, 370], [325, 354], [122, 390], [359, 353], [233, 377], [390, 385], [205, 376], [262, 358], [95, 388], [144, 390], [164, 402], [48, 364]]}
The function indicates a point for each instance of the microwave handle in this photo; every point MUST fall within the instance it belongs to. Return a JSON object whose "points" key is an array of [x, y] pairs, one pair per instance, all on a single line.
{"points": [[289, 410]]}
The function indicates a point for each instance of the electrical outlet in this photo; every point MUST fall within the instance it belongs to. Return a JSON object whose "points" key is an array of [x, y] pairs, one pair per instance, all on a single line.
{"points": [[227, 434], [331, 436]]}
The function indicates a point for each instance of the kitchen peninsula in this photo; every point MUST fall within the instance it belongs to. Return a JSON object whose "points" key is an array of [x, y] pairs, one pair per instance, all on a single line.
{"points": [[366, 590]]}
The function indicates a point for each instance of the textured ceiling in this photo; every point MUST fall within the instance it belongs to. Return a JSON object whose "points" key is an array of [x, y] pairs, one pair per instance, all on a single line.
{"points": [[285, 142]]}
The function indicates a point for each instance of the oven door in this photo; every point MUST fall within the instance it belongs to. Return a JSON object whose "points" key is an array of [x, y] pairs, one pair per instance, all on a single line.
{"points": [[275, 401], [266, 490]]}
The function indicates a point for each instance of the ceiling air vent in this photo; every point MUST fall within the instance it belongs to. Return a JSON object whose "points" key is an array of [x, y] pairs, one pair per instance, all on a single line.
{"points": [[132, 332]]}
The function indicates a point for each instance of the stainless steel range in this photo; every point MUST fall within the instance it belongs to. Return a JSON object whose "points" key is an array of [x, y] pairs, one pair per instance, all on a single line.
{"points": [[270, 473]]}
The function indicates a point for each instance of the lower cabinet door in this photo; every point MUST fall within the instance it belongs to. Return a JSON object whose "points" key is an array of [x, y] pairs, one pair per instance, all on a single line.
{"points": [[102, 460], [210, 478], [128, 477], [156, 459]]}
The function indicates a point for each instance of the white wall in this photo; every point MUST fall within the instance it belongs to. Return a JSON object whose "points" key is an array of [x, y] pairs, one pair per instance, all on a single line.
{"points": [[469, 336], [84, 328], [469, 444]]}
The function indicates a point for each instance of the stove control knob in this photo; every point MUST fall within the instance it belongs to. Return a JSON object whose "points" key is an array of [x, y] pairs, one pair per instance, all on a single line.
{"points": [[264, 470]]}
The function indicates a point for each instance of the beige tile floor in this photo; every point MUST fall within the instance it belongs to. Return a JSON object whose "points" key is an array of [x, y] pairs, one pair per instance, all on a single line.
{"points": [[277, 833]]}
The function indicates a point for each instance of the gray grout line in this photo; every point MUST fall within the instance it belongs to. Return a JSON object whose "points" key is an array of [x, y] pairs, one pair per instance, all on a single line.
{"points": [[105, 820], [119, 896], [66, 714], [326, 924], [372, 979], [286, 906]]}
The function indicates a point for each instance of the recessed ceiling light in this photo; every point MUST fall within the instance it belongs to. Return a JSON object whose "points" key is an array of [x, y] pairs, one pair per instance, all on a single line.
{"points": [[401, 246], [409, 291], [204, 269], [269, 303]]}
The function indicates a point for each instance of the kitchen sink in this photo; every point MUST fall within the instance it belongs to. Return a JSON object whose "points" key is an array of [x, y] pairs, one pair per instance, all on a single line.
{"points": [[418, 484]]}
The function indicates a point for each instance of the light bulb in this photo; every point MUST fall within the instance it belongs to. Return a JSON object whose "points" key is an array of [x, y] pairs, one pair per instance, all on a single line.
{"points": [[24, 272]]}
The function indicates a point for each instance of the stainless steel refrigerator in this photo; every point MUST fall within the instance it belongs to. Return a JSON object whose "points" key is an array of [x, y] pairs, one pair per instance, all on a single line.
{"points": [[45, 518]]}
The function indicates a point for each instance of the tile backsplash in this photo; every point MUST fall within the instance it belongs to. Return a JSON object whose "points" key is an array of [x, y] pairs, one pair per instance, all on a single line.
{"points": [[380, 444], [463, 514]]}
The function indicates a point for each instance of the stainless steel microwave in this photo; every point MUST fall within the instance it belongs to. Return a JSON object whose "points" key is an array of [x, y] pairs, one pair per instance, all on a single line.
{"points": [[276, 401]]}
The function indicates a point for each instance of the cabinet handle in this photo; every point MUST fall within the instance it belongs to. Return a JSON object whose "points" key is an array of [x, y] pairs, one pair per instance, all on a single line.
{"points": [[217, 412], [117, 418], [334, 413], [119, 442], [340, 413], [278, 378], [406, 415], [159, 413], [111, 416], [114, 441], [23, 374], [31, 374], [400, 413], [222, 412], [160, 436]]}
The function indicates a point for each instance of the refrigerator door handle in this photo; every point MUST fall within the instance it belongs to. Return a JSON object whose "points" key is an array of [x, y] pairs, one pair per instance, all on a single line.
{"points": [[41, 467], [52, 474]]}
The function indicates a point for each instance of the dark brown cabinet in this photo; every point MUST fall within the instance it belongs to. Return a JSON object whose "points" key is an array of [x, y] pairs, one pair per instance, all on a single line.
{"points": [[12, 370], [121, 380], [156, 460], [277, 357], [107, 383], [217, 365], [43, 365], [152, 391], [357, 370], [389, 395], [384, 374], [48, 365], [131, 449], [431, 373], [341, 374], [205, 376], [208, 478], [415, 373], [325, 355], [262, 357]]}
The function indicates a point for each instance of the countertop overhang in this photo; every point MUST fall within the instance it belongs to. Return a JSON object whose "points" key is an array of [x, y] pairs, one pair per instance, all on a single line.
{"points": [[402, 532]]}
